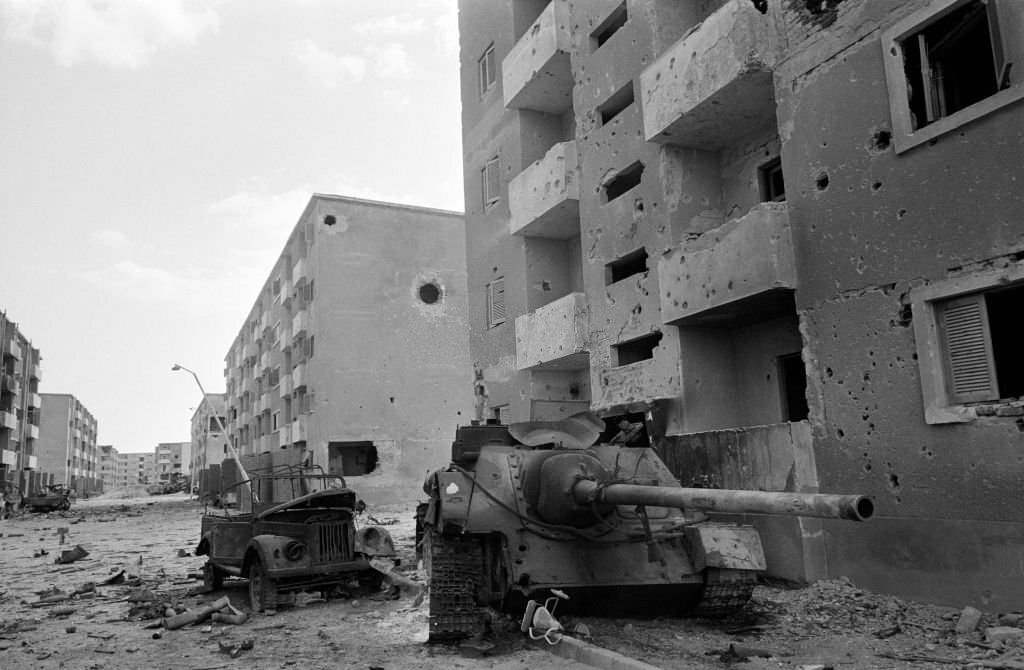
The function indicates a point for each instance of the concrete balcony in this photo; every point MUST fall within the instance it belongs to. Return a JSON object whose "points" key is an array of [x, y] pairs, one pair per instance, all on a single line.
{"points": [[35, 371], [299, 375], [742, 270], [299, 271], [298, 430], [8, 420], [286, 386], [264, 402], [33, 432], [554, 337], [13, 349], [713, 86], [286, 290], [544, 199], [265, 360], [33, 463], [34, 400], [284, 436], [300, 323], [536, 73], [10, 384], [8, 458]]}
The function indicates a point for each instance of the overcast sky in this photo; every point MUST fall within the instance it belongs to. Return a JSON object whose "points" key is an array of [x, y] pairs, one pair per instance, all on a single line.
{"points": [[155, 154]]}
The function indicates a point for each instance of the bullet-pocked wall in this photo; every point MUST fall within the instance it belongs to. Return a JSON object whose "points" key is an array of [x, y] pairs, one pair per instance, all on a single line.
{"points": [[889, 230]]}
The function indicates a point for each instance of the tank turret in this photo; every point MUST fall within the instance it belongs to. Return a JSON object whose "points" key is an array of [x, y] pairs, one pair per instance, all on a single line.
{"points": [[527, 508]]}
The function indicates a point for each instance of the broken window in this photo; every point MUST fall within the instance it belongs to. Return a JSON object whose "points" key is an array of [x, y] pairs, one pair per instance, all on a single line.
{"points": [[980, 336], [490, 183], [496, 302], [773, 188], [615, 104], [633, 263], [623, 181], [487, 69], [634, 351], [944, 59], [609, 26], [351, 459]]}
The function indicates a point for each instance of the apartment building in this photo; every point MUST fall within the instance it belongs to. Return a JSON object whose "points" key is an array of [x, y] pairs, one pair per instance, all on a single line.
{"points": [[20, 405], [172, 462], [354, 356], [134, 469], [209, 446], [107, 467], [776, 234], [66, 447]]}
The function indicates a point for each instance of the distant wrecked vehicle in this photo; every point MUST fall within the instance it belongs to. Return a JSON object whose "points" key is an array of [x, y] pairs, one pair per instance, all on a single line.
{"points": [[53, 497], [291, 530]]}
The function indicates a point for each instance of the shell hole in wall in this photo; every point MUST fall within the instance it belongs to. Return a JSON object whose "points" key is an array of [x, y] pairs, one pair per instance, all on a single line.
{"points": [[430, 293]]}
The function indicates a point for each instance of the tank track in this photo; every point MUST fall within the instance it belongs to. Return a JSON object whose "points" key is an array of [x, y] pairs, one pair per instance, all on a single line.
{"points": [[455, 571], [725, 592]]}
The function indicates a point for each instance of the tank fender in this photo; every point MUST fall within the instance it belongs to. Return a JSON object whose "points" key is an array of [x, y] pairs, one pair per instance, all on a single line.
{"points": [[374, 541], [717, 545], [204, 546], [454, 493], [277, 552]]}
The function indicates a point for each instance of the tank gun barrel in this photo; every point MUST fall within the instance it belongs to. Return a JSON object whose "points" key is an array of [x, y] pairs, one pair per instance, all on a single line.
{"points": [[821, 505]]}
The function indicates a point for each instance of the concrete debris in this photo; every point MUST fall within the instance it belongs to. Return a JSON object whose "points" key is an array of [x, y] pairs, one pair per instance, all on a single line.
{"points": [[71, 555], [1003, 633], [969, 619], [234, 650], [194, 616]]}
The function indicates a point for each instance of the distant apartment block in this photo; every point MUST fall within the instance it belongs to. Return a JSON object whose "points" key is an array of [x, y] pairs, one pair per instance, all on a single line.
{"points": [[20, 406], [67, 443], [136, 468], [108, 467], [354, 357], [171, 461], [209, 443]]}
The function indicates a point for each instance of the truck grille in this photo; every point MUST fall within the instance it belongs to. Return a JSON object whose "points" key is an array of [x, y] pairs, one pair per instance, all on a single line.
{"points": [[335, 542]]}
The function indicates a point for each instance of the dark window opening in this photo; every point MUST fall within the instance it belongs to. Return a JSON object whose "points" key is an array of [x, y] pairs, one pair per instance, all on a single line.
{"points": [[1007, 328], [953, 63], [633, 263], [609, 26], [623, 181], [430, 293], [773, 187], [614, 105], [626, 429], [330, 220], [351, 459], [640, 349], [793, 380]]}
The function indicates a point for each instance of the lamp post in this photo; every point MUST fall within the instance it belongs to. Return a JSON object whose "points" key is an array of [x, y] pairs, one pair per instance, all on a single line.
{"points": [[223, 431]]}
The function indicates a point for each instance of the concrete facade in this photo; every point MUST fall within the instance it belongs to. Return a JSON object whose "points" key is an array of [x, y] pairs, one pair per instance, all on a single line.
{"points": [[136, 468], [20, 405], [354, 356], [107, 467], [209, 445], [67, 443], [172, 461], [796, 267]]}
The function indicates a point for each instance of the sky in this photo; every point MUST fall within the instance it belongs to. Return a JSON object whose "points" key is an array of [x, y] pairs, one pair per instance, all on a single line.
{"points": [[155, 155]]}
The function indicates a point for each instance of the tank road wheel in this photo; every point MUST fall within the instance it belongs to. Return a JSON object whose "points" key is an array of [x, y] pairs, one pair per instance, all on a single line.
{"points": [[213, 578], [725, 592], [455, 568], [262, 589]]}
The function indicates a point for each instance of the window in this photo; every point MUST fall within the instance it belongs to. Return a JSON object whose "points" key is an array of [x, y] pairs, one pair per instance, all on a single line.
{"points": [[793, 382], [490, 183], [773, 188], [609, 26], [487, 70], [623, 181], [275, 420], [968, 332], [949, 64], [633, 263], [616, 103], [496, 302], [640, 349]]}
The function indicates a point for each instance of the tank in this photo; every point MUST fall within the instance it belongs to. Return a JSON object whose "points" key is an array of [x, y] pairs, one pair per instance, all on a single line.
{"points": [[525, 509]]}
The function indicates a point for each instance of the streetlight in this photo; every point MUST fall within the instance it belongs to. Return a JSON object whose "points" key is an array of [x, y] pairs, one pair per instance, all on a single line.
{"points": [[223, 431]]}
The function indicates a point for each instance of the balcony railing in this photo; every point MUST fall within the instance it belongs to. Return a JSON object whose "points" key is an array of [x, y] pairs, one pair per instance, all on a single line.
{"points": [[703, 281], [300, 323], [284, 436], [554, 337], [8, 420], [12, 349], [35, 371], [536, 73], [34, 400], [298, 432], [715, 84], [286, 387], [299, 375], [33, 432], [544, 199], [299, 271]]}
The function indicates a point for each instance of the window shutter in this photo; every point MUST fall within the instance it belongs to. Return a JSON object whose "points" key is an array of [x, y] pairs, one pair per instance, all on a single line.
{"points": [[968, 350], [490, 179], [496, 302]]}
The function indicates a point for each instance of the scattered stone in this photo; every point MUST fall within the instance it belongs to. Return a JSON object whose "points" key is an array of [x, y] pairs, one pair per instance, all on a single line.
{"points": [[1011, 619], [969, 619], [71, 555], [1001, 633], [70, 629]]}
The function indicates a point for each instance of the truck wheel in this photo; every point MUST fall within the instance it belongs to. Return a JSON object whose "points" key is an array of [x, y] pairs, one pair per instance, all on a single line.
{"points": [[262, 589], [213, 578]]}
